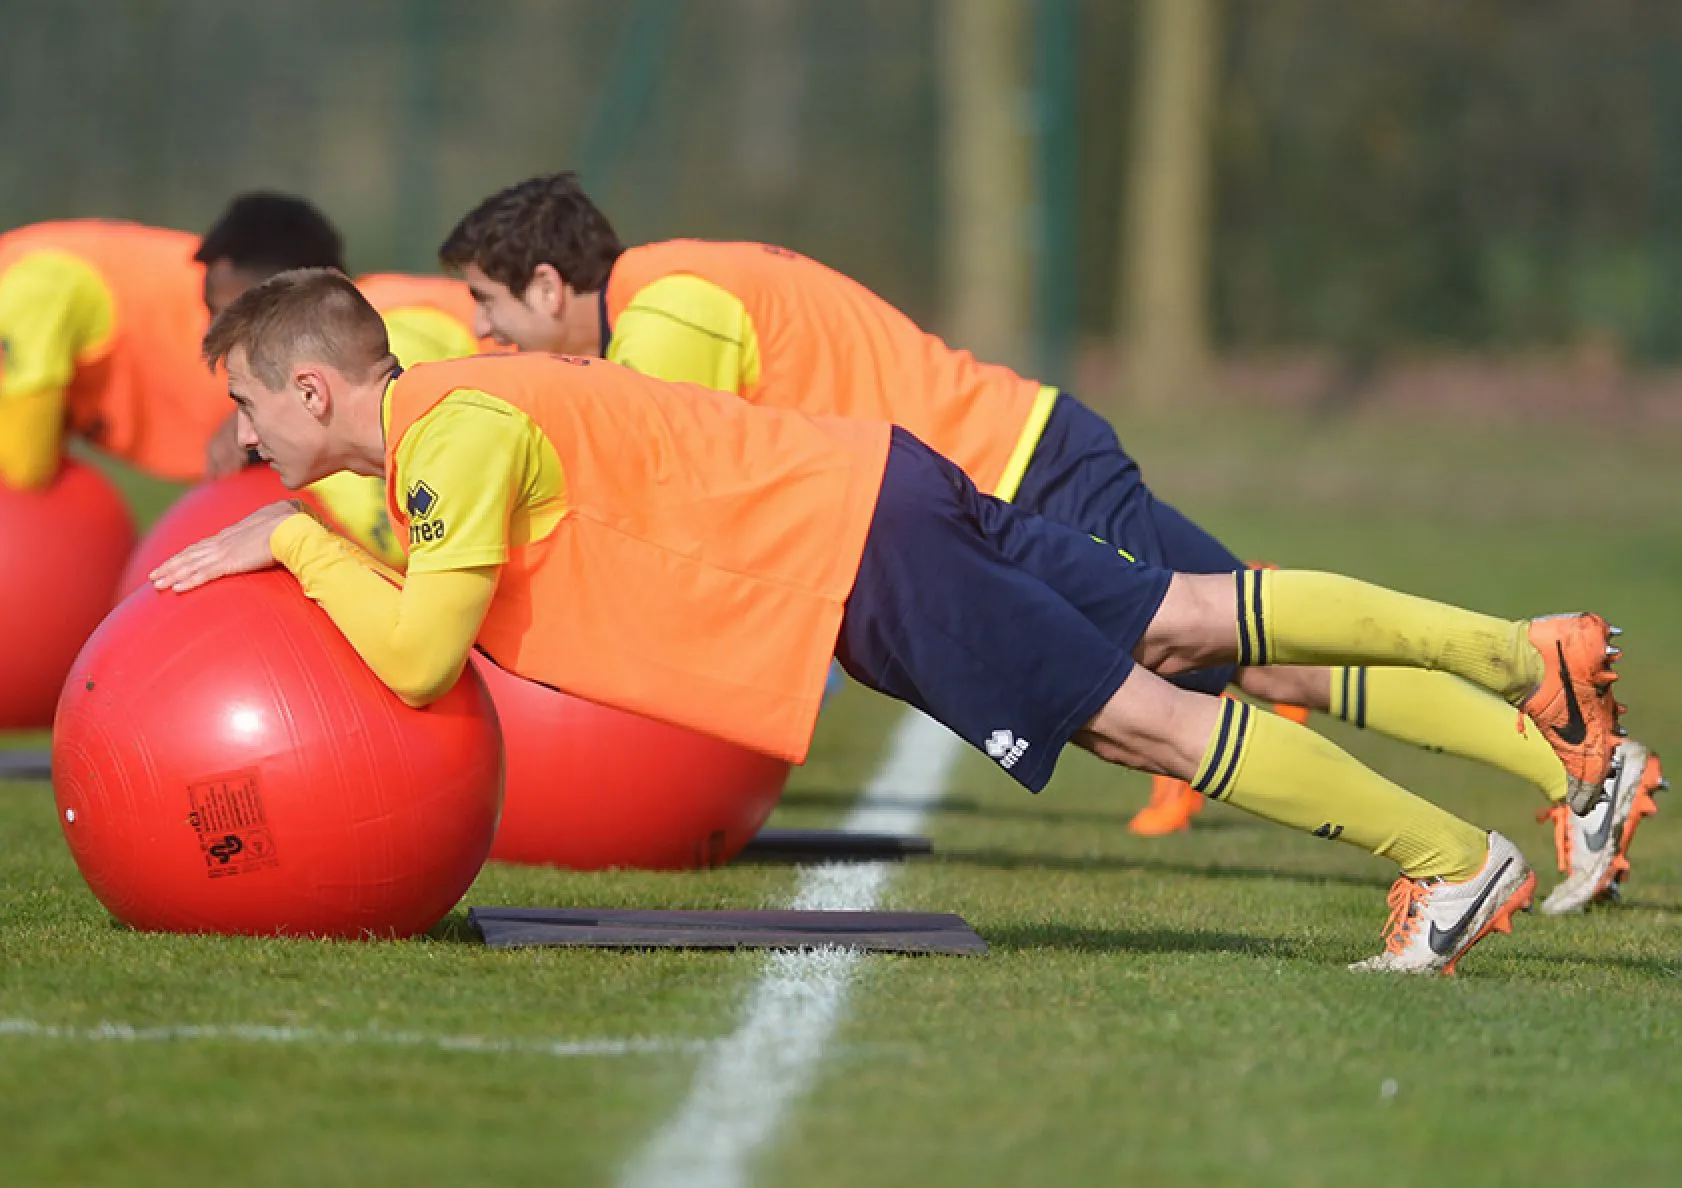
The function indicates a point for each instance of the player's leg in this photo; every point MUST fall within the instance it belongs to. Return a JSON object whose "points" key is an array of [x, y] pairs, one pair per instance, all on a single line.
{"points": [[1457, 883], [1442, 712], [1081, 475], [951, 614], [1434, 710], [1557, 669]]}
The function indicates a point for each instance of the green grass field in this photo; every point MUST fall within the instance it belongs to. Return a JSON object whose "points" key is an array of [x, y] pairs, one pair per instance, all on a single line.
{"points": [[1152, 1012]]}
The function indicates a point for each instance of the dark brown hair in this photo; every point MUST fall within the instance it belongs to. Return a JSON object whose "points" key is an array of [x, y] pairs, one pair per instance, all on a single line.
{"points": [[544, 220], [307, 314], [263, 233]]}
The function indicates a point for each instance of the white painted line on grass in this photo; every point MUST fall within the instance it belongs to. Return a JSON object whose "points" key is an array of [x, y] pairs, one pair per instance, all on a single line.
{"points": [[752, 1077], [260, 1033]]}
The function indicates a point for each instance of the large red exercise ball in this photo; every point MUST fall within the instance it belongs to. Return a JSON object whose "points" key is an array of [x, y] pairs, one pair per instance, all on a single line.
{"points": [[62, 549], [592, 788], [204, 511], [223, 761]]}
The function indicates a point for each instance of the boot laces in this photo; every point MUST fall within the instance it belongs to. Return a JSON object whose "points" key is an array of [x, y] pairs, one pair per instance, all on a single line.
{"points": [[1405, 917]]}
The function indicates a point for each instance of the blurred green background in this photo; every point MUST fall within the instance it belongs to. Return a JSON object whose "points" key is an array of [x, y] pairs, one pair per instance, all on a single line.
{"points": [[1492, 175]]}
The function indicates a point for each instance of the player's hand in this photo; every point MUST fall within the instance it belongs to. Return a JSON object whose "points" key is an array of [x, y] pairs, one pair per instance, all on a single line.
{"points": [[241, 548], [224, 455]]}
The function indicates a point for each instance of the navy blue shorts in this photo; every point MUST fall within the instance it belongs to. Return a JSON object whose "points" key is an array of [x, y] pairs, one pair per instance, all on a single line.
{"points": [[1080, 476], [1010, 629]]}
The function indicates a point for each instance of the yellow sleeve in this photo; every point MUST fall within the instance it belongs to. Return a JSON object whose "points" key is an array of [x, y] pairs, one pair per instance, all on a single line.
{"points": [[684, 329], [54, 310], [414, 632], [464, 471], [420, 334], [31, 439], [356, 504]]}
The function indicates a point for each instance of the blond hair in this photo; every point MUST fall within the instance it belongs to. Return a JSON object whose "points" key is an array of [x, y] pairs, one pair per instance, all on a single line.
{"points": [[314, 315]]}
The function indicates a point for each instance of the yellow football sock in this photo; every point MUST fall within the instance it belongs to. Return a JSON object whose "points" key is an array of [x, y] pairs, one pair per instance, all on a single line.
{"points": [[1286, 773], [1441, 712], [1301, 617]]}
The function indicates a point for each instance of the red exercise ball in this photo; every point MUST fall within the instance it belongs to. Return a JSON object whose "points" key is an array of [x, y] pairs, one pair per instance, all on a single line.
{"points": [[223, 761], [204, 511], [591, 788], [61, 551]]}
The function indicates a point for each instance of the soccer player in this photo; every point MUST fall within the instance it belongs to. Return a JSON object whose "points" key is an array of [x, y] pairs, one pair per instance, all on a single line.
{"points": [[780, 330], [427, 318], [99, 330], [684, 555]]}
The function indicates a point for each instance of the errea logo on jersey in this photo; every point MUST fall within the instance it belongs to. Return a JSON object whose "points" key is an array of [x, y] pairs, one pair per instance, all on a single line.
{"points": [[420, 502], [1005, 747]]}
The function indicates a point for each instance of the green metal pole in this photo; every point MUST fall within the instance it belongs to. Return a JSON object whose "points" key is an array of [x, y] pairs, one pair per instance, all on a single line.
{"points": [[417, 177], [632, 78], [1056, 91]]}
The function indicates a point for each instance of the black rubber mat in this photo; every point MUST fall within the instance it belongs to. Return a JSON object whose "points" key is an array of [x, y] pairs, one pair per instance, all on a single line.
{"points": [[623, 928], [25, 765], [832, 845]]}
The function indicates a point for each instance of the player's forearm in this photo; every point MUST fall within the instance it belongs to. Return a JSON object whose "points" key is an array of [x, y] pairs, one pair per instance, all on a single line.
{"points": [[31, 439], [414, 635]]}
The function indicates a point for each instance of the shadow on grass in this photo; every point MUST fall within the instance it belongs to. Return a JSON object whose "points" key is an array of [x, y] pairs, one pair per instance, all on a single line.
{"points": [[1571, 966], [1529, 966], [1021, 938], [1041, 809], [1011, 860], [454, 929]]}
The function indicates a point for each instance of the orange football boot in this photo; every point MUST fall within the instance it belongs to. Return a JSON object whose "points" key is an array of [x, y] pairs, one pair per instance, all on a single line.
{"points": [[1173, 804], [1573, 705], [1294, 713]]}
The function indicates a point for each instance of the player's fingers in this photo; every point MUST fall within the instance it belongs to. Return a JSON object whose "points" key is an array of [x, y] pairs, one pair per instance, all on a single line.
{"points": [[202, 571], [188, 561]]}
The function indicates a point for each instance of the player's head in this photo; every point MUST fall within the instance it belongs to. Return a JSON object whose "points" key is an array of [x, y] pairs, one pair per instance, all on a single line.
{"points": [[530, 254], [296, 346], [259, 235]]}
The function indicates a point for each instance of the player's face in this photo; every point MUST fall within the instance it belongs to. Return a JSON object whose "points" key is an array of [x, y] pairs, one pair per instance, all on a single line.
{"points": [[223, 283], [516, 320], [278, 424]]}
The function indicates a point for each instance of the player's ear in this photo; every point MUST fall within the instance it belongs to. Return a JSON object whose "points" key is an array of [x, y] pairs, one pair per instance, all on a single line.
{"points": [[314, 390], [547, 293]]}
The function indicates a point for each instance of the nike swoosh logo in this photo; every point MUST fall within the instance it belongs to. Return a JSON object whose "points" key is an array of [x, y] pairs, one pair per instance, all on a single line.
{"points": [[1597, 840], [1575, 729], [1443, 940]]}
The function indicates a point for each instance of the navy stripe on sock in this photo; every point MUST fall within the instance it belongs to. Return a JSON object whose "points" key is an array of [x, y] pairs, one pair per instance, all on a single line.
{"points": [[1343, 702], [1243, 623], [1260, 627], [1234, 751], [1215, 760], [1361, 698]]}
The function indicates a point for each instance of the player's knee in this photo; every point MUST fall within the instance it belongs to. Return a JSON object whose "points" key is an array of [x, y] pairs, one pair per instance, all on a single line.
{"points": [[1310, 687], [1124, 752], [1195, 627], [1152, 726]]}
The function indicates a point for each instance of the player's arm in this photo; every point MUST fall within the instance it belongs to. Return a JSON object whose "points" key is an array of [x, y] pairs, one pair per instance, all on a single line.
{"points": [[420, 334], [460, 469], [415, 632], [31, 438], [53, 307], [684, 329], [463, 466], [414, 635]]}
